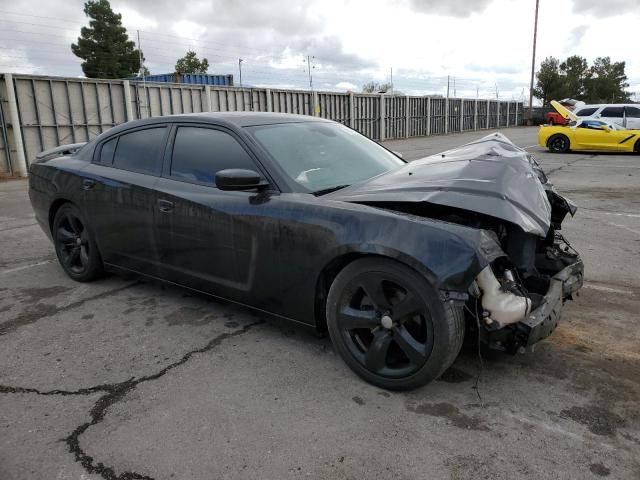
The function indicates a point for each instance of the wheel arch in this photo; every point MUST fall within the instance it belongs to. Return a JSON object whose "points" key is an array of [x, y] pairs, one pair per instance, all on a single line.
{"points": [[53, 209], [332, 268], [557, 134]]}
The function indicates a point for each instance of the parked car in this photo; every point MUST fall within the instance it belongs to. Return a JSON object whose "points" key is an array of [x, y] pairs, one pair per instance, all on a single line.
{"points": [[627, 116], [554, 118], [587, 134], [308, 220]]}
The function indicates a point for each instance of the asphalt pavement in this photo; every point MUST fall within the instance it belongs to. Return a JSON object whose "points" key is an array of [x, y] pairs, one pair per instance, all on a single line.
{"points": [[126, 378]]}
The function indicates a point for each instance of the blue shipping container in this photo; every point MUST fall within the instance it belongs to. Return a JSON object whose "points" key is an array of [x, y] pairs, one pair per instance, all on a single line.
{"points": [[191, 78]]}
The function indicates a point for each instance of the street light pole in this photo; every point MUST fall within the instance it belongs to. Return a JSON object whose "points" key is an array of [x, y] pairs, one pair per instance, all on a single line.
{"points": [[533, 62], [240, 69]]}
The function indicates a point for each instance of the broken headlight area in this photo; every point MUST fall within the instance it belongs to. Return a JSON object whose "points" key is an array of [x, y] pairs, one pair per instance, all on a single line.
{"points": [[516, 301]]}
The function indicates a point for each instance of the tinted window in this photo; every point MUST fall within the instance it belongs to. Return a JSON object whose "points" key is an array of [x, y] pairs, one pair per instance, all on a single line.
{"points": [[593, 124], [106, 152], [612, 112], [586, 112], [198, 153], [141, 151], [633, 112]]}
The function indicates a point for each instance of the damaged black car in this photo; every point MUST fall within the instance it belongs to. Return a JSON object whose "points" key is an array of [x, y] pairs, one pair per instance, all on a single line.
{"points": [[306, 219]]}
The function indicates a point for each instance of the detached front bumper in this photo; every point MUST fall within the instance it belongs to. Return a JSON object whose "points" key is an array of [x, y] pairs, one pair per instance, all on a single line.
{"points": [[542, 321]]}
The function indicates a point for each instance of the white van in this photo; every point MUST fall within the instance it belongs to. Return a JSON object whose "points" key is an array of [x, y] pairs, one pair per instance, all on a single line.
{"points": [[626, 115]]}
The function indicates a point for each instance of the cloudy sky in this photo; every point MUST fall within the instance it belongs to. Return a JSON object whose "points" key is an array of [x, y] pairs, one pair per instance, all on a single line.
{"points": [[484, 44]]}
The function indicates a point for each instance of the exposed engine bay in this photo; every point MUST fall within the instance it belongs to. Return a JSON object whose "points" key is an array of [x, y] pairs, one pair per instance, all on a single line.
{"points": [[493, 185]]}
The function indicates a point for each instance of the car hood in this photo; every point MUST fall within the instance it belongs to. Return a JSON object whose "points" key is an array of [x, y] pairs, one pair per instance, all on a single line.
{"points": [[490, 176]]}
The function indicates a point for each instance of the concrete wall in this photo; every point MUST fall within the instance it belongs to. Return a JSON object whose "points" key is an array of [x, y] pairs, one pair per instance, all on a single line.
{"points": [[38, 112]]}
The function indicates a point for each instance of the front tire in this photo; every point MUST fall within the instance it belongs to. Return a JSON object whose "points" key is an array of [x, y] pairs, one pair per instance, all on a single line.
{"points": [[558, 143], [390, 326], [75, 246]]}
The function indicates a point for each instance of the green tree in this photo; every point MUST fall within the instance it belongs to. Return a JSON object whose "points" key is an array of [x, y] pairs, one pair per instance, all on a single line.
{"points": [[606, 82], [550, 83], [574, 70], [104, 45], [191, 64]]}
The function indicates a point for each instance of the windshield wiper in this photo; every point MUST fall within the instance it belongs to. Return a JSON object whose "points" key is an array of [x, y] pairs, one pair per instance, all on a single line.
{"points": [[329, 190]]}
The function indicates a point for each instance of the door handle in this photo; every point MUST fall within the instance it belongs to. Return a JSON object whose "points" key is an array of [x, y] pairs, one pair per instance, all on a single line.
{"points": [[165, 206], [88, 184]]}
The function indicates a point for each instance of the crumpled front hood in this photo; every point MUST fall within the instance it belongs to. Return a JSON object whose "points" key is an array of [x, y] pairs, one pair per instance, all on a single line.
{"points": [[490, 176]]}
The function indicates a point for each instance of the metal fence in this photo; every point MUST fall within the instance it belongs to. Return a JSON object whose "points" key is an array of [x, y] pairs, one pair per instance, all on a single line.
{"points": [[38, 113]]}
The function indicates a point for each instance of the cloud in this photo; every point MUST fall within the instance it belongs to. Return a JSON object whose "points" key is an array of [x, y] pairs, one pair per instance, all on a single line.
{"points": [[604, 8], [346, 86], [450, 8], [576, 35]]}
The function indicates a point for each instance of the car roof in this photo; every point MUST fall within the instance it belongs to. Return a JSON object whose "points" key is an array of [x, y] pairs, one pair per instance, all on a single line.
{"points": [[237, 119]]}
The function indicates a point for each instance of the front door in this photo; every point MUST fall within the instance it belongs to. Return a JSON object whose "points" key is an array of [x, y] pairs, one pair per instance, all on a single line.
{"points": [[590, 135], [220, 242]]}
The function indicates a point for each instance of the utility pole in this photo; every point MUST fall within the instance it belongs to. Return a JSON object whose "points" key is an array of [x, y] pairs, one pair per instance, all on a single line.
{"points": [[455, 94], [309, 67], [533, 62], [142, 72], [240, 60], [447, 86], [391, 80]]}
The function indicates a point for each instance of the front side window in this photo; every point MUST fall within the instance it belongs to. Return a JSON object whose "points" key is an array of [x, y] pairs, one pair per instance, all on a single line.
{"points": [[593, 124], [586, 112], [141, 151], [324, 156], [198, 153], [612, 112]]}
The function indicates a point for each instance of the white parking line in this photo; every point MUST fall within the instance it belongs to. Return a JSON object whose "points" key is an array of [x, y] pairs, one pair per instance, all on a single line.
{"points": [[24, 267], [607, 289], [617, 214], [632, 230]]}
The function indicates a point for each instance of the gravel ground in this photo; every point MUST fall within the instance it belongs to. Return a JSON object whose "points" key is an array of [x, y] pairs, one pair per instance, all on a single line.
{"points": [[123, 378]]}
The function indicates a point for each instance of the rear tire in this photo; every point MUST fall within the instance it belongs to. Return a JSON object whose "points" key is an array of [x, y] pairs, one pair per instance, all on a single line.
{"points": [[558, 143], [75, 246], [390, 326], [636, 147]]}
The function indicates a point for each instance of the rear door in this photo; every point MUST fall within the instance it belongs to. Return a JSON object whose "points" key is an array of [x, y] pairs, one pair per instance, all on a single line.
{"points": [[632, 115], [221, 242], [613, 114], [122, 199]]}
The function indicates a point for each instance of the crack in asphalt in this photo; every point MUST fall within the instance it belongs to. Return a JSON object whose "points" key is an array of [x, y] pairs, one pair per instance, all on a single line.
{"points": [[568, 164], [114, 393], [41, 310]]}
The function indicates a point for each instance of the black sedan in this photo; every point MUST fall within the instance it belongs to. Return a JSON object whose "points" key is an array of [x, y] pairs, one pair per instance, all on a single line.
{"points": [[306, 219]]}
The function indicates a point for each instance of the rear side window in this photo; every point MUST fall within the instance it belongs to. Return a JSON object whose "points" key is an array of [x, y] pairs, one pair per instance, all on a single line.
{"points": [[586, 112], [612, 112], [198, 153], [633, 112], [141, 151], [107, 150]]}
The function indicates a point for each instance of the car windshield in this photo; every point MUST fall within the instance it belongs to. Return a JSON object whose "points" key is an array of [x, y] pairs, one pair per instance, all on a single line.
{"points": [[324, 156]]}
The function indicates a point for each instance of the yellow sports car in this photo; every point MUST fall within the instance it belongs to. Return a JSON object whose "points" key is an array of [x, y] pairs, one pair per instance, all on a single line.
{"points": [[587, 134]]}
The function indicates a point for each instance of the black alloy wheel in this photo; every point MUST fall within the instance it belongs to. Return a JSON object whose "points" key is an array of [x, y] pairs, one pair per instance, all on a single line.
{"points": [[76, 250], [558, 144], [384, 319]]}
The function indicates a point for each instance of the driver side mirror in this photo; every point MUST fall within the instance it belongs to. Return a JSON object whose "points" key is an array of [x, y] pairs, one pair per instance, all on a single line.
{"points": [[239, 179]]}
